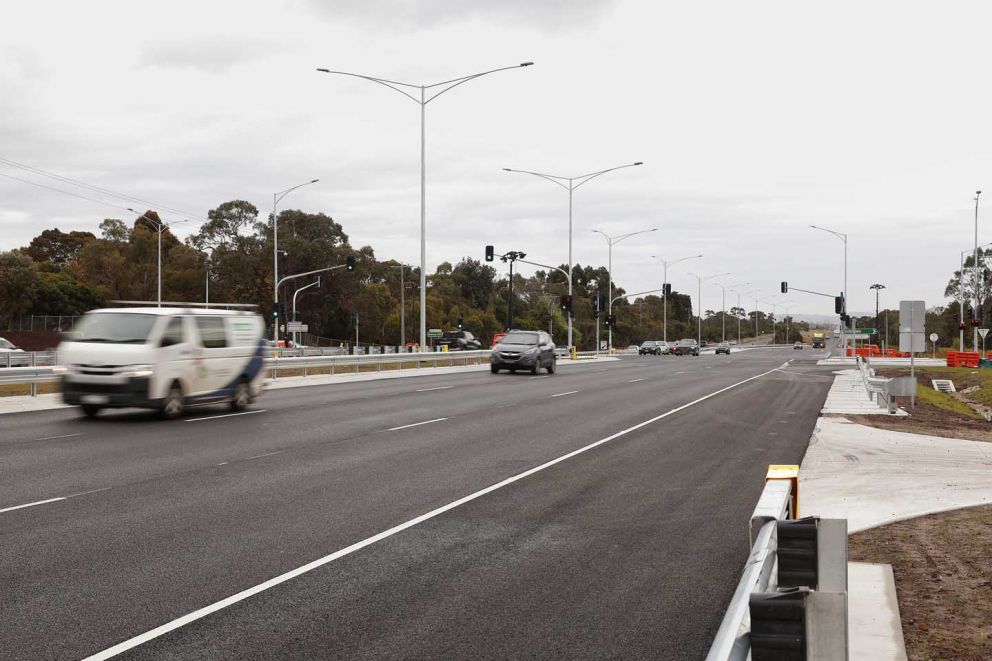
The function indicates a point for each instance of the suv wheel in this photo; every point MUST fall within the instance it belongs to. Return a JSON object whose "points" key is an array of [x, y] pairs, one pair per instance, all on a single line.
{"points": [[172, 405], [494, 369], [551, 365]]}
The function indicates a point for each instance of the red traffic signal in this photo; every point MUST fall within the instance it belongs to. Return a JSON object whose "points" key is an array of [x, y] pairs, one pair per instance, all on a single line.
{"points": [[975, 322], [566, 303], [962, 325]]}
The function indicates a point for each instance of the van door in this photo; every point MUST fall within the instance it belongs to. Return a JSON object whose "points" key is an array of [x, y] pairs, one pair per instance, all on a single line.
{"points": [[175, 358], [214, 373]]}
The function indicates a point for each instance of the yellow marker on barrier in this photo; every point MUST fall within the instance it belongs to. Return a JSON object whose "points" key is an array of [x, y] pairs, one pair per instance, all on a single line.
{"points": [[787, 472], [444, 348], [574, 353]]}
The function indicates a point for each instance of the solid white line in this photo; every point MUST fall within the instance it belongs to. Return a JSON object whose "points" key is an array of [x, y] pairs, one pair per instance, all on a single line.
{"points": [[226, 415], [86, 493], [416, 424], [562, 394], [635, 380], [438, 388], [20, 507], [140, 639], [52, 438]]}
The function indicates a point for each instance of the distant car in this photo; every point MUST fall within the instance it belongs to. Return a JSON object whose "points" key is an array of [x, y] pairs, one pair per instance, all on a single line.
{"points": [[652, 347], [459, 340], [632, 347], [798, 346], [671, 348], [524, 350], [723, 347], [6, 346], [687, 348], [704, 344]]}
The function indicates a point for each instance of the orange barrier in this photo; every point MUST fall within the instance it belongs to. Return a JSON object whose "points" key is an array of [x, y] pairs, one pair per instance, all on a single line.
{"points": [[873, 351], [963, 358]]}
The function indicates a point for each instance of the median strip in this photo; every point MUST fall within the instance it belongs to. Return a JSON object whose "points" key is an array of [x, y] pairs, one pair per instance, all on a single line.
{"points": [[416, 424]]}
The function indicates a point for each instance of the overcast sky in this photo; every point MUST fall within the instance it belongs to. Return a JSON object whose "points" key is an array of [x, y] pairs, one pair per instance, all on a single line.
{"points": [[754, 120]]}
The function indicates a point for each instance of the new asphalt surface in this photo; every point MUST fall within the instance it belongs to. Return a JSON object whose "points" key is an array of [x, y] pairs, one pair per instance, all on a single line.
{"points": [[113, 529]]}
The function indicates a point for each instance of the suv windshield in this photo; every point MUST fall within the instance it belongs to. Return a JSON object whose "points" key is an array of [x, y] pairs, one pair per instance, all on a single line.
{"points": [[113, 327], [649, 343], [519, 338]]}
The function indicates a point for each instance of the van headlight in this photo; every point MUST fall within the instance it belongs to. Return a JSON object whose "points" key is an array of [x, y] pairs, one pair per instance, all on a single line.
{"points": [[137, 371]]}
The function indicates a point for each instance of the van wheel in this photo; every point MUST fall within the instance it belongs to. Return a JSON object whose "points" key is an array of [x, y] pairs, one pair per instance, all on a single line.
{"points": [[242, 396], [172, 405], [90, 411]]}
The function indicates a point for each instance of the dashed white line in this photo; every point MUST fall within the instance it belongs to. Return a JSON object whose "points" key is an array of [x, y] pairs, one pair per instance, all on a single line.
{"points": [[259, 456], [438, 388], [52, 438], [635, 380], [416, 424], [680, 373], [180, 622], [40, 502], [562, 394], [226, 415]]}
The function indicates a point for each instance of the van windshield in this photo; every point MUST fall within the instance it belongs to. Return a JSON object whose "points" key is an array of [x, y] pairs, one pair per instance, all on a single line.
{"points": [[113, 327]]}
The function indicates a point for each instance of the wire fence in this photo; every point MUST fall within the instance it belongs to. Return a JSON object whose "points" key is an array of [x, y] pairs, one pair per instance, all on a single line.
{"points": [[37, 322]]}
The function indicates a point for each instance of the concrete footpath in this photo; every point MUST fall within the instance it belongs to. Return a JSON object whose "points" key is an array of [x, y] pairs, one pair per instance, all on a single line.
{"points": [[26, 403], [872, 477]]}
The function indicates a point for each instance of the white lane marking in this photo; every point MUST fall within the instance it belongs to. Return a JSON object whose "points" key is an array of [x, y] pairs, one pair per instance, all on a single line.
{"points": [[53, 500], [680, 372], [180, 622], [562, 394], [223, 463], [259, 456], [416, 424], [543, 376], [52, 438], [438, 388], [226, 415], [635, 380], [40, 502]]}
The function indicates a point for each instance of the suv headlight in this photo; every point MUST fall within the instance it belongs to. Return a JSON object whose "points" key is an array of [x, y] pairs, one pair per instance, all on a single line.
{"points": [[138, 371]]}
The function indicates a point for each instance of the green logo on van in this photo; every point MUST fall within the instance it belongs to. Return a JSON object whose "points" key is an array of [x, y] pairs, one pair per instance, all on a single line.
{"points": [[242, 326]]}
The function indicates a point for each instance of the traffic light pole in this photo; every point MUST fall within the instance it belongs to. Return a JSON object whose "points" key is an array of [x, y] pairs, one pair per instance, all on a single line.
{"points": [[511, 257]]}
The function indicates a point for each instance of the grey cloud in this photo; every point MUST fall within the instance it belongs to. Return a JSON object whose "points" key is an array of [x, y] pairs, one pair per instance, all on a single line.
{"points": [[550, 15], [216, 55]]}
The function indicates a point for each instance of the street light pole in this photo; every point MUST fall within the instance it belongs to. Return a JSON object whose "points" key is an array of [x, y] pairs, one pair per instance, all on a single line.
{"points": [[276, 197], [610, 241], [570, 186], [206, 284], [842, 237], [424, 99], [699, 303], [723, 312], [978, 312], [878, 320], [402, 268], [160, 227], [296, 337], [664, 287]]}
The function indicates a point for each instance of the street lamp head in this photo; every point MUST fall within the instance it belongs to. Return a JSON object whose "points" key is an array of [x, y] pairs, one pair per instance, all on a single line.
{"points": [[526, 64], [324, 70], [639, 163], [315, 181], [507, 170]]}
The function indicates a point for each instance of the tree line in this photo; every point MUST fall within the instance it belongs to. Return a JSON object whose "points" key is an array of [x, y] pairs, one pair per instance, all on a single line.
{"points": [[68, 273]]}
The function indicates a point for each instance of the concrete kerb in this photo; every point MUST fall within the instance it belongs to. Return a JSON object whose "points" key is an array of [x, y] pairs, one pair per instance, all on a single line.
{"points": [[25, 404]]}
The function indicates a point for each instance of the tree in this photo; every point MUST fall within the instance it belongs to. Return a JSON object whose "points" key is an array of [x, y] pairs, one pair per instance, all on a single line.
{"points": [[18, 283], [56, 246]]}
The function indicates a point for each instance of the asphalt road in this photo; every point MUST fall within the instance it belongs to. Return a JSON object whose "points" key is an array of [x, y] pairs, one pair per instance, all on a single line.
{"points": [[630, 548]]}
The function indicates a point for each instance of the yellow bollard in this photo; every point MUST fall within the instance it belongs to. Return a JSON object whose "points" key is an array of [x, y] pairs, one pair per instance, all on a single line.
{"points": [[575, 355], [787, 472], [444, 348]]}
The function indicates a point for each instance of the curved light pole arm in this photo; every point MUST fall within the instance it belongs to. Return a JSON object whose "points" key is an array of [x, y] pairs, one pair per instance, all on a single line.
{"points": [[550, 177], [391, 84], [592, 175], [455, 82], [545, 266], [277, 197], [638, 293]]}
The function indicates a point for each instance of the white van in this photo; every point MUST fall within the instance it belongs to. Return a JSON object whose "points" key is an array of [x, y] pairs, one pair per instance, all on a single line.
{"points": [[162, 358]]}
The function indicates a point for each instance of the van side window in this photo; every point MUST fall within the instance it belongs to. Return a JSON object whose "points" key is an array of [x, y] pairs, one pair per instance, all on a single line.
{"points": [[173, 333], [212, 334]]}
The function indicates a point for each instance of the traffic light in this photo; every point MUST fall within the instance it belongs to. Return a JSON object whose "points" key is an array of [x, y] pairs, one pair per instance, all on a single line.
{"points": [[668, 289], [962, 325], [611, 320], [566, 303], [275, 315], [349, 263], [489, 253], [975, 322], [839, 304], [785, 287], [460, 323]]}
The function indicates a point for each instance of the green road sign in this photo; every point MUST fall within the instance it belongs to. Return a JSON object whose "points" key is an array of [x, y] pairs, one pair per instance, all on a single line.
{"points": [[867, 331], [435, 332]]}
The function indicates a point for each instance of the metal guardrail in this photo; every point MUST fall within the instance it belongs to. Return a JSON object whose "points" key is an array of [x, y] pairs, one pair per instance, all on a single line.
{"points": [[341, 363], [28, 358], [732, 641]]}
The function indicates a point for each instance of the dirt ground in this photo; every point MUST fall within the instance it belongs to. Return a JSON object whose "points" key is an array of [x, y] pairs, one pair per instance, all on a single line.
{"points": [[943, 571]]}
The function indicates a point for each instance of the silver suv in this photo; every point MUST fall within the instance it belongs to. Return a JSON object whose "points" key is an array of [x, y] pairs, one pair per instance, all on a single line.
{"points": [[524, 350]]}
